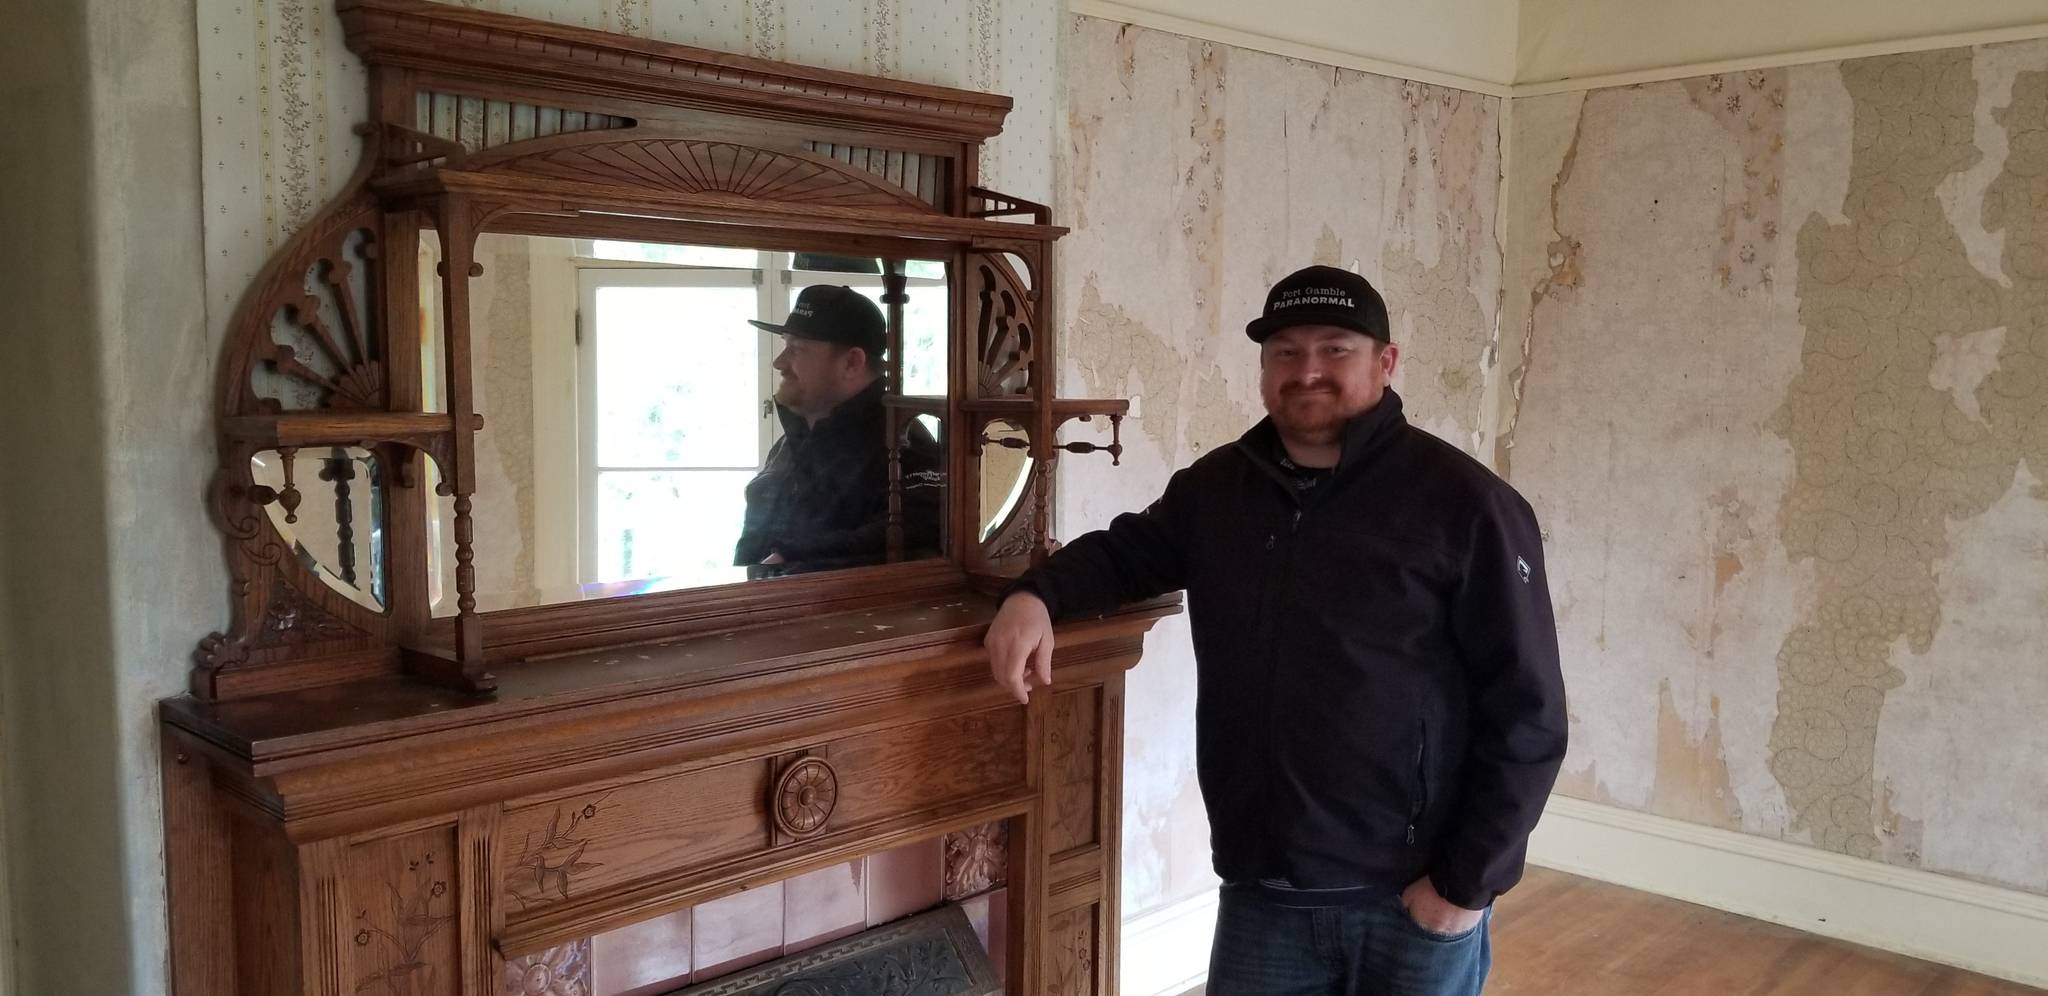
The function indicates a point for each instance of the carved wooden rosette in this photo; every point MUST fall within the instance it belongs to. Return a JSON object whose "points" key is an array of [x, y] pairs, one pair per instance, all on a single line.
{"points": [[805, 796]]}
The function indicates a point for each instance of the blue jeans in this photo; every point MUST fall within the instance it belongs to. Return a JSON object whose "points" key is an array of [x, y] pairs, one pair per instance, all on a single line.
{"points": [[1371, 949]]}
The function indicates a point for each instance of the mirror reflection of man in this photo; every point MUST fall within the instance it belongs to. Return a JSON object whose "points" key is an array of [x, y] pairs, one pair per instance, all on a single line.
{"points": [[821, 500]]}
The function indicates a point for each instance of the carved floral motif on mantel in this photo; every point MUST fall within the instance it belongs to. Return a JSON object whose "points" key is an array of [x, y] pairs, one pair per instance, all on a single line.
{"points": [[547, 866], [977, 860], [561, 971]]}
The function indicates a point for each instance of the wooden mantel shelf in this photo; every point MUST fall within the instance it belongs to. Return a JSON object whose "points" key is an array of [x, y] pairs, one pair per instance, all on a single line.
{"points": [[272, 731]]}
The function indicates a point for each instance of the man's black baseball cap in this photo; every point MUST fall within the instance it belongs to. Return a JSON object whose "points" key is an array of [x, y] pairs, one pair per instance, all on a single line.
{"points": [[838, 315], [1322, 295]]}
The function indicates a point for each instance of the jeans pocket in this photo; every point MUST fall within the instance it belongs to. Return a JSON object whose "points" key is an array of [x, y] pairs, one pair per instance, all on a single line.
{"points": [[1407, 919]]}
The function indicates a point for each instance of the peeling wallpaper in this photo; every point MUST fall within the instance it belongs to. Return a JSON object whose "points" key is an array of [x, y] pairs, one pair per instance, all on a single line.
{"points": [[1195, 175], [1785, 414]]}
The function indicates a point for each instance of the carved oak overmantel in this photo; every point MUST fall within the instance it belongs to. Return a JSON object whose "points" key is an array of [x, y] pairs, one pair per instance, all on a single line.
{"points": [[366, 795]]}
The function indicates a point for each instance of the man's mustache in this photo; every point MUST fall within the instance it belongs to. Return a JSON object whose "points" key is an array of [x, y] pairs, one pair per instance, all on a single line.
{"points": [[1290, 390]]}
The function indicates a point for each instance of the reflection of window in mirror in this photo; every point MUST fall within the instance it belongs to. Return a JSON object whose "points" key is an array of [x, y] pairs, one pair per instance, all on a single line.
{"points": [[627, 405], [924, 316], [667, 451]]}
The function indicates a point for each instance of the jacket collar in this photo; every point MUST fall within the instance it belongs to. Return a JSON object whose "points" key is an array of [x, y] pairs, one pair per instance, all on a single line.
{"points": [[1364, 435], [859, 411]]}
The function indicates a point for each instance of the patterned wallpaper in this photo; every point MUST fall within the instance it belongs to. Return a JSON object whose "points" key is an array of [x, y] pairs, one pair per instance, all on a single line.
{"points": [[1786, 421], [279, 91]]}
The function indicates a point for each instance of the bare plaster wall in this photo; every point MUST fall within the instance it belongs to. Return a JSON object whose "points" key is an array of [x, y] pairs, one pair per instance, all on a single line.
{"points": [[1194, 175], [1784, 412], [109, 563]]}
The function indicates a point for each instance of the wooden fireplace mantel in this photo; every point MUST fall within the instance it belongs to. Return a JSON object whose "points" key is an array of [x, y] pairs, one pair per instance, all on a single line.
{"points": [[377, 785], [599, 789]]}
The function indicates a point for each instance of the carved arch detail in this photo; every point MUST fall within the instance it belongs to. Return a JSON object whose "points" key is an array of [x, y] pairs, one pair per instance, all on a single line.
{"points": [[690, 166]]}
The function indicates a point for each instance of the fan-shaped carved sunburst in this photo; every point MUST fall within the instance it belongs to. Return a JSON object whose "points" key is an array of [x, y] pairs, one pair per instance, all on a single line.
{"points": [[695, 167]]}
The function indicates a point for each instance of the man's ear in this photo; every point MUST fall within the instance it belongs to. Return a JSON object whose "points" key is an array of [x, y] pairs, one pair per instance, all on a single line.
{"points": [[1390, 357], [854, 360]]}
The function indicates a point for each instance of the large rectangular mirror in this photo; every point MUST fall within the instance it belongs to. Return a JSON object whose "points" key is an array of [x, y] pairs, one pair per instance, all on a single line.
{"points": [[662, 416]]}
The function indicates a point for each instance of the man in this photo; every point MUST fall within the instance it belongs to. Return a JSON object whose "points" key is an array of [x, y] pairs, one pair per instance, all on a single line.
{"points": [[1380, 713], [821, 501]]}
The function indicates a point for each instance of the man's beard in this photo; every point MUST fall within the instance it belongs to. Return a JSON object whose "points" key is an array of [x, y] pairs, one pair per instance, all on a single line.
{"points": [[1310, 415], [791, 395]]}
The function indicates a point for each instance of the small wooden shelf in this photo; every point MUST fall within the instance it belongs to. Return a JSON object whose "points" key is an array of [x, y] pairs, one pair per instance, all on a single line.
{"points": [[923, 404], [1063, 409], [338, 428], [1011, 409]]}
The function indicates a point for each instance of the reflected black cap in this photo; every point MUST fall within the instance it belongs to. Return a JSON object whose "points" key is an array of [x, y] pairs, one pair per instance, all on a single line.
{"points": [[832, 314]]}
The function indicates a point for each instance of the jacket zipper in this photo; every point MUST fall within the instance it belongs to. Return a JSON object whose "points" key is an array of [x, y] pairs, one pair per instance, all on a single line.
{"points": [[1268, 626], [1419, 801]]}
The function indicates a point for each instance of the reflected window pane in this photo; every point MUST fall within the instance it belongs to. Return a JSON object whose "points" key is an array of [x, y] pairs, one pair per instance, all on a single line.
{"points": [[679, 525], [924, 336], [674, 255], [678, 374]]}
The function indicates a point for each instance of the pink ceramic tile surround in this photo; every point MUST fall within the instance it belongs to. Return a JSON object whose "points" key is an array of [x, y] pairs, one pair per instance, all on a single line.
{"points": [[824, 905], [977, 917], [989, 915], [651, 956], [737, 932], [906, 880], [999, 931], [765, 923], [998, 939]]}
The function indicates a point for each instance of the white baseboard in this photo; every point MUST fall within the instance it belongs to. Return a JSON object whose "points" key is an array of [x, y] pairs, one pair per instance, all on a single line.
{"points": [[1166, 950], [1998, 932]]}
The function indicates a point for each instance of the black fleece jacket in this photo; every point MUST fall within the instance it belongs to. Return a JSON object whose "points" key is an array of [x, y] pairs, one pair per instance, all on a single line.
{"points": [[1378, 691], [821, 499]]}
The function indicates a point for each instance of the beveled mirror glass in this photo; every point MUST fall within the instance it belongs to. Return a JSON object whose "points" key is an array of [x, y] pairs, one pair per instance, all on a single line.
{"points": [[327, 502], [1005, 472], [649, 426]]}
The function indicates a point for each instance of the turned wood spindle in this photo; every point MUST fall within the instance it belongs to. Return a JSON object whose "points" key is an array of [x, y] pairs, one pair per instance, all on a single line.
{"points": [[289, 497]]}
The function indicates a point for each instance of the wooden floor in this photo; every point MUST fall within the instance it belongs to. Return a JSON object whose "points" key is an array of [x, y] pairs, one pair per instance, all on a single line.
{"points": [[1557, 935]]}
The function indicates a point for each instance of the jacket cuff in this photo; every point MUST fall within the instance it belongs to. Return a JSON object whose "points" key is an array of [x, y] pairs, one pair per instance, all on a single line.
{"points": [[1031, 585], [1460, 894]]}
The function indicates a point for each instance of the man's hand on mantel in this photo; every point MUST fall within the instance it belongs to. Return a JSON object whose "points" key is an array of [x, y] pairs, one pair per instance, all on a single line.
{"points": [[1019, 645]]}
